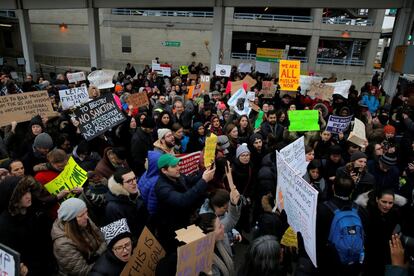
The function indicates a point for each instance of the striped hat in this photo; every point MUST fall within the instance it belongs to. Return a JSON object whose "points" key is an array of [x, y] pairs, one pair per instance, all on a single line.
{"points": [[388, 159]]}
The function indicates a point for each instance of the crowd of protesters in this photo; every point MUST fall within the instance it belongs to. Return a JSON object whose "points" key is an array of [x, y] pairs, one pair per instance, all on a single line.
{"points": [[134, 179]]}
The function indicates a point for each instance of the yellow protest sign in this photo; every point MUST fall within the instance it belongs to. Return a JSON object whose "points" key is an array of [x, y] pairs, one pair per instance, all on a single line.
{"points": [[289, 75], [289, 239], [184, 70], [210, 150], [71, 177]]}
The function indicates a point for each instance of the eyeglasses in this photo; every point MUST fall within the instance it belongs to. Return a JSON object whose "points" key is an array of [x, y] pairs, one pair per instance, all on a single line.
{"points": [[121, 248], [130, 181]]}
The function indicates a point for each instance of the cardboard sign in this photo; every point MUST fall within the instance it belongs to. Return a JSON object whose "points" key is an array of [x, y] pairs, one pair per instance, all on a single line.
{"points": [[98, 116], [306, 81], [223, 70], [138, 99], [268, 89], [71, 177], [289, 75], [341, 87], [9, 261], [184, 70], [189, 162], [73, 97], [197, 255], [299, 200], [357, 135], [250, 81], [304, 120], [22, 107], [146, 256], [338, 124], [75, 77], [294, 154], [320, 91], [205, 83], [102, 78], [210, 150]]}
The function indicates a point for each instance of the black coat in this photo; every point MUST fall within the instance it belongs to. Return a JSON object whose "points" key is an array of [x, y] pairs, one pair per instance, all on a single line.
{"points": [[277, 131], [267, 176], [365, 183], [107, 265], [30, 159], [141, 143]]}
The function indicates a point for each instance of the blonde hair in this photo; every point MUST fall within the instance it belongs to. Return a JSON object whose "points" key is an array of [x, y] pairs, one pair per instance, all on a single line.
{"points": [[90, 91]]}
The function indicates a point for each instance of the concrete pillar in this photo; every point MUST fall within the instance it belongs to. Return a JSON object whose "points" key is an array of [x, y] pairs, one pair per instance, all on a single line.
{"points": [[312, 51], [228, 34], [402, 27], [317, 18], [26, 38], [370, 53], [94, 37], [217, 37]]}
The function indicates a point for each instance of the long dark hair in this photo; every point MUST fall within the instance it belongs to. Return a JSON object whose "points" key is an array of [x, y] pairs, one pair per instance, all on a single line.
{"points": [[74, 232]]}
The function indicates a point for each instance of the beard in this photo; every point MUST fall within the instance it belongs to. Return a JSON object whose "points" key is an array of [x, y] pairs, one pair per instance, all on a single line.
{"points": [[170, 144]]}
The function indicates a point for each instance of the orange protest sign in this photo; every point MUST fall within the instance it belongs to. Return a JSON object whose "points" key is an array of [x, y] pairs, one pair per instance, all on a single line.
{"points": [[289, 75], [190, 91]]}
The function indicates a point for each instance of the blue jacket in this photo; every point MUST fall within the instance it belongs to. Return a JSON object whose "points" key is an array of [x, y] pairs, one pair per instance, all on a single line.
{"points": [[372, 102], [146, 183]]}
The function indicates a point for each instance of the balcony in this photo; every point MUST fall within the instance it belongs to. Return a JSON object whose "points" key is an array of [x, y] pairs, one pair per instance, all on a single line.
{"points": [[347, 21], [335, 61], [273, 17], [171, 13], [8, 13]]}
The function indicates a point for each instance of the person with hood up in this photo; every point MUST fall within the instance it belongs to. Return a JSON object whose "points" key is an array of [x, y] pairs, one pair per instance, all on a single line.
{"points": [[119, 249], [42, 144], [314, 177], [77, 242], [114, 157], [197, 138]]}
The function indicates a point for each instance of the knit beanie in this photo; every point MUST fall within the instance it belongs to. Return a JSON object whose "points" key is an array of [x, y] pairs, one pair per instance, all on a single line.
{"points": [[115, 231], [44, 141], [254, 137], [36, 120], [148, 123], [223, 142], [242, 149], [162, 132], [70, 208], [196, 126], [389, 129], [335, 149], [388, 159], [358, 155]]}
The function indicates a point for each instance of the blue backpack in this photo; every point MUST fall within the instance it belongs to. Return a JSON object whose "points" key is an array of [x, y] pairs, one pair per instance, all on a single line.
{"points": [[347, 234]]}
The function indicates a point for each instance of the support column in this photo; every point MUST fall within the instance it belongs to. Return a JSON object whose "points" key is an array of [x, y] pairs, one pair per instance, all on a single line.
{"points": [[370, 54], [313, 44], [217, 37], [402, 27], [94, 37], [228, 34], [26, 38]]}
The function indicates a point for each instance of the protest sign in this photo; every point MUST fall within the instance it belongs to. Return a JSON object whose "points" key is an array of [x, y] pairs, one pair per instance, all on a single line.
{"points": [[71, 177], [294, 155], [357, 135], [184, 70], [98, 116], [303, 120], [250, 81], [338, 124], [251, 96], [223, 70], [259, 120], [102, 78], [192, 76], [189, 163], [138, 99], [146, 256], [9, 261], [190, 93], [236, 96], [166, 71], [305, 82], [197, 254], [299, 200], [320, 91], [269, 54], [74, 77], [289, 238], [242, 107], [73, 97], [210, 150], [244, 67], [205, 83], [22, 107], [289, 75], [341, 87], [155, 66], [263, 67], [268, 89]]}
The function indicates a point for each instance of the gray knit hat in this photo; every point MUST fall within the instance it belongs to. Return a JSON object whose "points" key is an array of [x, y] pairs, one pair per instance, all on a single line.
{"points": [[43, 140], [242, 149], [70, 208], [162, 132]]}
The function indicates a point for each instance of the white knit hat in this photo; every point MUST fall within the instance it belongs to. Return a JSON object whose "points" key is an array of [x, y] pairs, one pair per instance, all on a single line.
{"points": [[162, 132]]}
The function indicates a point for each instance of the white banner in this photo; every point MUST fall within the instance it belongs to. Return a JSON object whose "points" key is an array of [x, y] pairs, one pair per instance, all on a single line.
{"points": [[73, 97], [74, 77], [305, 82], [102, 78], [294, 155], [341, 87], [245, 67], [263, 67], [166, 71], [223, 70]]}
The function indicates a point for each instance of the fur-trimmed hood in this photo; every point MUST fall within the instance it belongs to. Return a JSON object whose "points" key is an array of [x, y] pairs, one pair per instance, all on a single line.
{"points": [[115, 188], [362, 200]]}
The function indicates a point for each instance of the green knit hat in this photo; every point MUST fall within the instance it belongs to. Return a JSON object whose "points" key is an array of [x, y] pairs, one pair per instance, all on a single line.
{"points": [[167, 160]]}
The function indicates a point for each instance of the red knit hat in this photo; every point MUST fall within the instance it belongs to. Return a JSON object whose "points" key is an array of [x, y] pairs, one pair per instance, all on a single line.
{"points": [[389, 129]]}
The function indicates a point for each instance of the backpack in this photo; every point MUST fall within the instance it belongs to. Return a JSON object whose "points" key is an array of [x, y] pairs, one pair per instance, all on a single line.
{"points": [[347, 234]]}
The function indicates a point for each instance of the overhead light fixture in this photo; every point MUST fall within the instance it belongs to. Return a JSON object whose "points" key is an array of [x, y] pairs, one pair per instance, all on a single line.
{"points": [[345, 34], [6, 25], [266, 8], [63, 27]]}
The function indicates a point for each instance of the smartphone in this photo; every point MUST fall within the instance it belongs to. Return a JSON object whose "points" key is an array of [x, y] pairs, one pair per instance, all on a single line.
{"points": [[355, 170]]}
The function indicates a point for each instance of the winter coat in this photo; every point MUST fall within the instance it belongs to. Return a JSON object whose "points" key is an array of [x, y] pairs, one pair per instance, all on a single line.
{"points": [[105, 168], [276, 130], [388, 179], [32, 158], [365, 182], [267, 176], [70, 259], [107, 265], [184, 119], [372, 103], [89, 163], [319, 185], [120, 204], [141, 143], [148, 180], [243, 177]]}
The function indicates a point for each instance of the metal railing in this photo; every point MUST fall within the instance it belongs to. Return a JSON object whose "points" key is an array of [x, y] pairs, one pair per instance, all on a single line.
{"points": [[335, 61], [248, 56], [7, 13], [347, 21], [273, 17], [172, 13], [302, 59]]}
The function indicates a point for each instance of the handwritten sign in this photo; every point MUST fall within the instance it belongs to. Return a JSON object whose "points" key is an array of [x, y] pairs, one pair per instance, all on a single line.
{"points": [[268, 89], [338, 124], [75, 77], [320, 91], [189, 162], [205, 83], [294, 155], [357, 135], [98, 116], [138, 99], [341, 87], [306, 81], [303, 120], [73, 97], [147, 254], [197, 255], [71, 177], [210, 150], [289, 75], [24, 106], [9, 261]]}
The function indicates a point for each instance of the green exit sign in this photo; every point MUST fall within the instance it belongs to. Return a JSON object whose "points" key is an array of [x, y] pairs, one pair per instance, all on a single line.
{"points": [[171, 43]]}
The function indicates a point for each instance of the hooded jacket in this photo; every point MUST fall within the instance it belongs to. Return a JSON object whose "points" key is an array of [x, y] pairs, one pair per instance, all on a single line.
{"points": [[105, 167], [148, 181], [120, 204]]}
